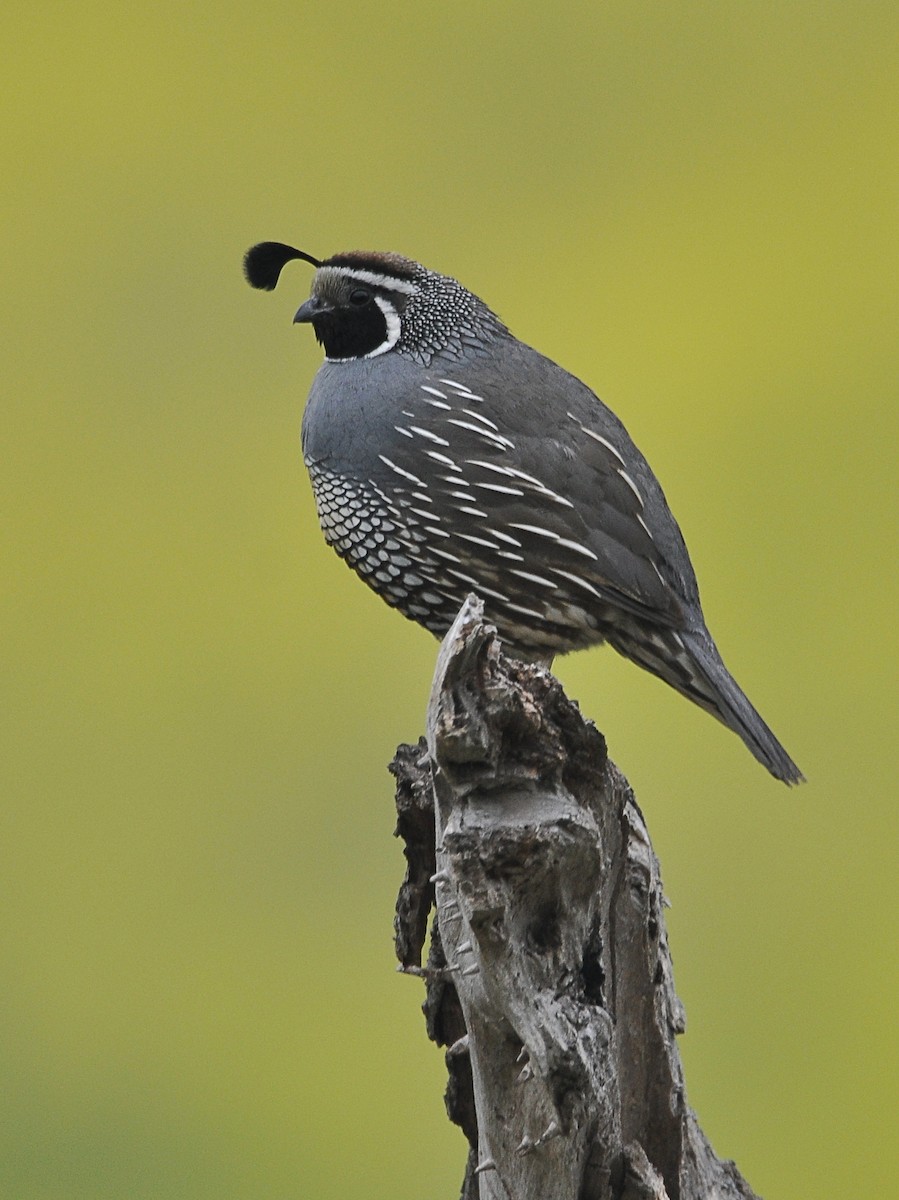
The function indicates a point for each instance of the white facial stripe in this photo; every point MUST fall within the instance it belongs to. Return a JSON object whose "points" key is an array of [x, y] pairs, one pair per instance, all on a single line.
{"points": [[391, 282], [394, 329]]}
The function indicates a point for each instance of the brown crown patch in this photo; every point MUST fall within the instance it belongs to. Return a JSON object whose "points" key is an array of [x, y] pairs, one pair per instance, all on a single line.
{"points": [[382, 262]]}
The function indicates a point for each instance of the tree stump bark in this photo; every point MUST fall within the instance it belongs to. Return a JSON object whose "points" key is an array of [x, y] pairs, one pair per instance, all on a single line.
{"points": [[548, 976]]}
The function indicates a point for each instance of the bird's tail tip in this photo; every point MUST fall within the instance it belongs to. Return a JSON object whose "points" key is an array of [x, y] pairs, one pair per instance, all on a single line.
{"points": [[779, 763], [734, 709]]}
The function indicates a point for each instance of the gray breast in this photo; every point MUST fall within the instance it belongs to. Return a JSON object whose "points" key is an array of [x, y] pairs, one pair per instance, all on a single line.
{"points": [[431, 489]]}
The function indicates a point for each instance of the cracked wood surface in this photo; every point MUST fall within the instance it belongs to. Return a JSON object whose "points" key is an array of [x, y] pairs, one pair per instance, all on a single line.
{"points": [[548, 976]]}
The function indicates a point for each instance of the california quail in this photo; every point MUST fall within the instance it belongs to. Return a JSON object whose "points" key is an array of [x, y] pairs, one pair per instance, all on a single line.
{"points": [[448, 457]]}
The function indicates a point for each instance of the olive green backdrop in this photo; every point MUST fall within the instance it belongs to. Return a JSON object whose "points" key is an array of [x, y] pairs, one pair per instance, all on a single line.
{"points": [[692, 207]]}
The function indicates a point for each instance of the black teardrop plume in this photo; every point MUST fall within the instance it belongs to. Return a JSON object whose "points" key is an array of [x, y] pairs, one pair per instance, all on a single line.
{"points": [[262, 264]]}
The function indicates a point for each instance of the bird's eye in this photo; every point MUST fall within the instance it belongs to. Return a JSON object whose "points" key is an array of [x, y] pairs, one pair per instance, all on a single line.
{"points": [[359, 296]]}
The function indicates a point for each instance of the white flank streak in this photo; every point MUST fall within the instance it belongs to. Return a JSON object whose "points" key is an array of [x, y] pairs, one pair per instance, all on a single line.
{"points": [[461, 388], [444, 554], [433, 392], [499, 487], [478, 541], [399, 470], [577, 579], [461, 575], [425, 514], [490, 593], [506, 537], [547, 533], [474, 428], [645, 526], [533, 578], [472, 512], [391, 282], [479, 417], [526, 612], [480, 588], [441, 458], [630, 483], [426, 433], [463, 495], [578, 547], [435, 531], [510, 554], [659, 573], [438, 404], [422, 496], [394, 329], [383, 496], [603, 442], [405, 432], [514, 473], [497, 439], [551, 495], [509, 472]]}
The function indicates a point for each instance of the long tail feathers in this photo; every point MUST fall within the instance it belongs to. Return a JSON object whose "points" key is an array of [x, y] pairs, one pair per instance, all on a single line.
{"points": [[726, 701], [690, 662]]}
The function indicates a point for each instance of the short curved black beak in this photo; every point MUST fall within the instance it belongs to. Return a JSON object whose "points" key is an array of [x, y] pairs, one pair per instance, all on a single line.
{"points": [[314, 307]]}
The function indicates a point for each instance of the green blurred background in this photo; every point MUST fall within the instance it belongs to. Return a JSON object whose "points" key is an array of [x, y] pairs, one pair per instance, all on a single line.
{"points": [[692, 207]]}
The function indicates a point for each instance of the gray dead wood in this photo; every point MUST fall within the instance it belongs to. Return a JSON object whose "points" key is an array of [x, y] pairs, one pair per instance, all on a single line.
{"points": [[548, 977]]}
